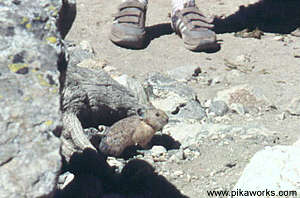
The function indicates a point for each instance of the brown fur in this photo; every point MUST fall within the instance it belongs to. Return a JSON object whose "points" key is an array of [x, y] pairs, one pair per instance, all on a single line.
{"points": [[132, 131]]}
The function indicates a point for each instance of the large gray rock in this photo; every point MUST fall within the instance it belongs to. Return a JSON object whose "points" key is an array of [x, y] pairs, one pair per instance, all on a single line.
{"points": [[29, 97], [174, 97], [275, 169]]}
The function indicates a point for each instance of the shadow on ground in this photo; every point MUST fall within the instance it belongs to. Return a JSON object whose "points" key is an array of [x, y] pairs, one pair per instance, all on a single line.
{"points": [[275, 16], [156, 31], [94, 178]]}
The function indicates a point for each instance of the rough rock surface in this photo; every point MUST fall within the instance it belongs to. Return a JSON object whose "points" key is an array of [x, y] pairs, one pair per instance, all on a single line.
{"points": [[29, 97], [280, 172], [251, 98], [192, 133], [173, 96], [91, 98]]}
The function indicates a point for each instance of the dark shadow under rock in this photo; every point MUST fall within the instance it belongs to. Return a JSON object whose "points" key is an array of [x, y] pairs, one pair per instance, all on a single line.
{"points": [[66, 17], [166, 141], [276, 16]]}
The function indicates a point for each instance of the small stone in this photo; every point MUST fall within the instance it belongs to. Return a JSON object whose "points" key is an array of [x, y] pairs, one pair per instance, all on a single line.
{"points": [[296, 32], [65, 179], [278, 38], [149, 159], [109, 69], [294, 107], [297, 54], [282, 116], [114, 162], [239, 108], [158, 150], [189, 178], [217, 80], [220, 108], [184, 73], [242, 59], [93, 64], [207, 103], [197, 154], [194, 177], [178, 173], [86, 45], [178, 156], [192, 110]]}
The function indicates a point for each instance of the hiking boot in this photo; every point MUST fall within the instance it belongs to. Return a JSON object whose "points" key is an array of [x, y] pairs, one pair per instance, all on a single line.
{"points": [[194, 29], [128, 28]]}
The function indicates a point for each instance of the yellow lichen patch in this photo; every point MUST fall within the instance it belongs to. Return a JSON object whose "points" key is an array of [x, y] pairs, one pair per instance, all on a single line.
{"points": [[48, 122], [17, 67], [55, 13], [48, 26], [42, 81], [27, 98], [24, 20], [52, 8], [51, 39], [37, 18], [1, 97], [54, 90], [28, 26]]}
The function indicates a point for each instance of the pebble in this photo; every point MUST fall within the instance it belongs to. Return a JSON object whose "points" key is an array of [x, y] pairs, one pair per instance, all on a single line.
{"points": [[93, 63], [297, 54], [65, 179], [296, 32], [239, 108], [158, 150], [184, 73], [220, 108], [282, 116], [178, 173], [294, 107], [217, 80], [189, 178], [114, 162], [86, 45], [242, 59], [278, 38], [178, 156]]}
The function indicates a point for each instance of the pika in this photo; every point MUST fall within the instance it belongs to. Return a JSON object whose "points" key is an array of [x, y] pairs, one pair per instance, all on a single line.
{"points": [[134, 130]]}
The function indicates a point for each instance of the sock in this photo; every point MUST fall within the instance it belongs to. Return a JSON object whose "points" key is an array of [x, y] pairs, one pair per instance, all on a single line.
{"points": [[142, 1], [180, 4]]}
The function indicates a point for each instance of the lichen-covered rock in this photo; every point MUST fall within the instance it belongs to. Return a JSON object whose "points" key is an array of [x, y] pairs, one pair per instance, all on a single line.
{"points": [[29, 97]]}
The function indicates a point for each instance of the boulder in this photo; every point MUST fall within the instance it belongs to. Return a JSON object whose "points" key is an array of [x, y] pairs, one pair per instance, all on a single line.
{"points": [[30, 55], [274, 169]]}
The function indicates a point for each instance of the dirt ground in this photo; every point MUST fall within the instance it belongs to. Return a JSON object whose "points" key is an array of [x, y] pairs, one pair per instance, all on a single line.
{"points": [[276, 71]]}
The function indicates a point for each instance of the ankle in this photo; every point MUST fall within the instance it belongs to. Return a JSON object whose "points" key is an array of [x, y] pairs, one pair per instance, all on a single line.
{"points": [[180, 4]]}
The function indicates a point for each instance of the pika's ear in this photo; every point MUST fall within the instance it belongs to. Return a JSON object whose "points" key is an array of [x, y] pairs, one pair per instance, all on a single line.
{"points": [[141, 113]]}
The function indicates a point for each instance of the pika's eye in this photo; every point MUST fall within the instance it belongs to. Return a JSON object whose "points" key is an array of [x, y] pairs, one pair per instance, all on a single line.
{"points": [[157, 114]]}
